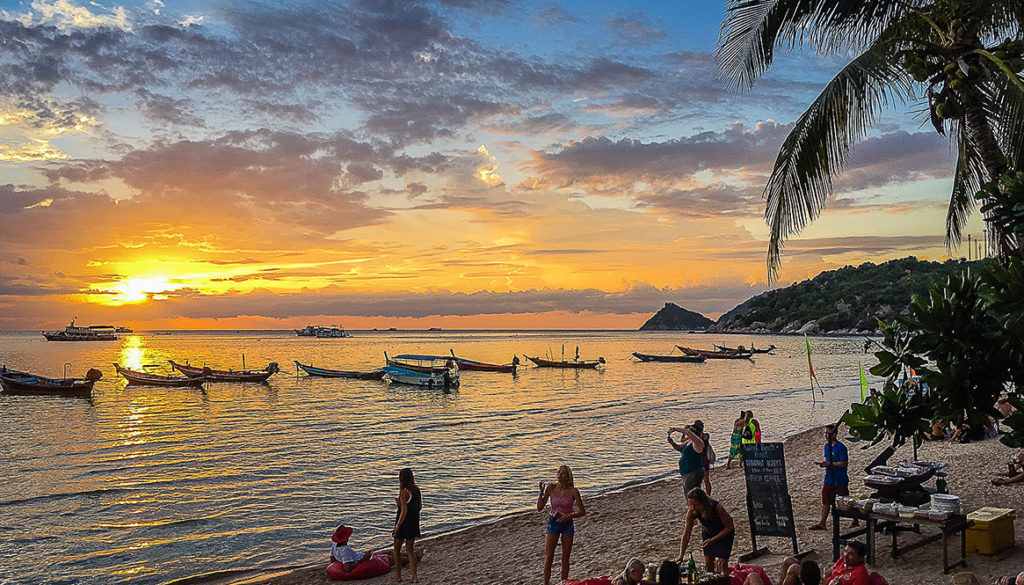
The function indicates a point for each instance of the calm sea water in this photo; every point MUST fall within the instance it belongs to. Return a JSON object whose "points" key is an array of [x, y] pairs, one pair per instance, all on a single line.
{"points": [[151, 485]]}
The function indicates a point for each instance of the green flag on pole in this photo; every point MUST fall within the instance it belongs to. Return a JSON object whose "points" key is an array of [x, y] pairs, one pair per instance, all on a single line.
{"points": [[863, 384]]}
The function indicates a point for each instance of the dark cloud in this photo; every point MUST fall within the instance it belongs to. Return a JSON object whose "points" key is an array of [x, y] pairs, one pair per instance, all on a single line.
{"points": [[631, 27], [553, 15]]}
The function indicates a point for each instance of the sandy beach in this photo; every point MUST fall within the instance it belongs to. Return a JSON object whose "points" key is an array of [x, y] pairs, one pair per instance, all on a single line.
{"points": [[646, 521]]}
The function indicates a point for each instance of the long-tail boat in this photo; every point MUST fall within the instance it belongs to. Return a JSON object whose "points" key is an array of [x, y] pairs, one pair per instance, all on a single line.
{"points": [[227, 375], [475, 366], [716, 355], [150, 379], [741, 349], [422, 370], [569, 364], [440, 378], [26, 384], [327, 373], [647, 357]]}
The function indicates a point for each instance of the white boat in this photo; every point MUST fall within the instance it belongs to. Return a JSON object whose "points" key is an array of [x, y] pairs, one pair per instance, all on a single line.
{"points": [[322, 332], [90, 333], [436, 379]]}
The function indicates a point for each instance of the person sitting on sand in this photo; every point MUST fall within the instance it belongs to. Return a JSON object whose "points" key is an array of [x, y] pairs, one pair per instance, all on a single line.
{"points": [[736, 440], [691, 459], [797, 572], [342, 553], [565, 498], [1004, 407], [669, 573], [850, 568], [633, 574], [938, 432], [717, 531], [1014, 472]]}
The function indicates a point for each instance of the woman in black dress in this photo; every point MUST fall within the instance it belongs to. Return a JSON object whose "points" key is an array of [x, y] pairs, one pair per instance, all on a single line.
{"points": [[407, 521], [717, 531]]}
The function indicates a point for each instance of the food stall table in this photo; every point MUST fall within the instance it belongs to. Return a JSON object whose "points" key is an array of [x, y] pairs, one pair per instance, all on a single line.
{"points": [[950, 527]]}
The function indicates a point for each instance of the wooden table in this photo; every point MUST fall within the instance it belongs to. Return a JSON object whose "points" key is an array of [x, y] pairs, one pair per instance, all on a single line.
{"points": [[956, 523]]}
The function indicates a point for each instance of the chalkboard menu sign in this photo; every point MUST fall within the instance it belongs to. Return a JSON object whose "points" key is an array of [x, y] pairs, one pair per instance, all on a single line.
{"points": [[769, 507]]}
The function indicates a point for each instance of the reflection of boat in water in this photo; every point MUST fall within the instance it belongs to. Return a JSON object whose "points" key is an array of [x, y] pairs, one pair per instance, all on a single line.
{"points": [[326, 373], [25, 384], [322, 332], [149, 379], [90, 333], [227, 375], [648, 357]]}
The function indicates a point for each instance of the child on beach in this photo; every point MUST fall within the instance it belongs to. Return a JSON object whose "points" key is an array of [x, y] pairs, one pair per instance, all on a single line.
{"points": [[566, 504], [407, 521], [706, 462]]}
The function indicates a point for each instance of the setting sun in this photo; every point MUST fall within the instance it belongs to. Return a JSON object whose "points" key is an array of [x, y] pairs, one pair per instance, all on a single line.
{"points": [[136, 290]]}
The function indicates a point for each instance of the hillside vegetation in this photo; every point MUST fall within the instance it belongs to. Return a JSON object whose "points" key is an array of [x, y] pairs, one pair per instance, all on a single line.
{"points": [[847, 300]]}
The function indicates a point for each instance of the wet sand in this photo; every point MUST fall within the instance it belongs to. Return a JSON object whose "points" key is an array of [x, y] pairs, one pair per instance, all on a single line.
{"points": [[646, 521]]}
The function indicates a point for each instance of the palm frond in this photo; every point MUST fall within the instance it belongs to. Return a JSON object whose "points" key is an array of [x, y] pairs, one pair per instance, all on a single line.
{"points": [[961, 203], [1009, 121], [752, 29], [819, 144]]}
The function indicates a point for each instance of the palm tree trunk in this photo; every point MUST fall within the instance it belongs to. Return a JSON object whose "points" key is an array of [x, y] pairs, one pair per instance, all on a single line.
{"points": [[991, 155]]}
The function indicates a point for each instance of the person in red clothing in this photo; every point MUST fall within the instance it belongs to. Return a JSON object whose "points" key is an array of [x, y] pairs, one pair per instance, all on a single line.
{"points": [[850, 568]]}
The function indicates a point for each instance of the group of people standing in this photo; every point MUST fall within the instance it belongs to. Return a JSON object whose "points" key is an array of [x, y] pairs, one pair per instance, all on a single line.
{"points": [[745, 430]]}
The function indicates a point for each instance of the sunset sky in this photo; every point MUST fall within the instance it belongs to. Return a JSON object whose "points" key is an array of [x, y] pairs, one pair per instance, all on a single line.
{"points": [[455, 164]]}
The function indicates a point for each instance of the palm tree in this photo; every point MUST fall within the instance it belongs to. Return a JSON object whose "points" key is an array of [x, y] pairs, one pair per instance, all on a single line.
{"points": [[962, 58]]}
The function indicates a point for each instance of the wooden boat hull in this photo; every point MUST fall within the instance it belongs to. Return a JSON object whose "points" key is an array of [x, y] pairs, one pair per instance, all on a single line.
{"points": [[573, 365], [413, 378], [24, 384], [715, 355], [326, 373], [752, 349], [211, 375], [147, 379], [475, 366], [647, 357]]}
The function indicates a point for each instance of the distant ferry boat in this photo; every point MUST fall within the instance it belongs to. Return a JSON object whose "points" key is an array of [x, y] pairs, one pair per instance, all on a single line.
{"points": [[90, 333], [123, 329], [322, 332]]}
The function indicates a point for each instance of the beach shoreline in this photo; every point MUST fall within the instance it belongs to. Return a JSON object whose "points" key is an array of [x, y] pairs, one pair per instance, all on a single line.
{"points": [[646, 521]]}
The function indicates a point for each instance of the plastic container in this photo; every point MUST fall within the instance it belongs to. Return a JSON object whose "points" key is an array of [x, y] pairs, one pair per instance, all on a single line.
{"points": [[992, 531]]}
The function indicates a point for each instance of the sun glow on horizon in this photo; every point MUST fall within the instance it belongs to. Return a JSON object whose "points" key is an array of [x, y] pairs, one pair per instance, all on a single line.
{"points": [[136, 290]]}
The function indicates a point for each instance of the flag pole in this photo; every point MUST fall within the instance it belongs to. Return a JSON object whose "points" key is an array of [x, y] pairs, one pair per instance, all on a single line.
{"points": [[810, 370]]}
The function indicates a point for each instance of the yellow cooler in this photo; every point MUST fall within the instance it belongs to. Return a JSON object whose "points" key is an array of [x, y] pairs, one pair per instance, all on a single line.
{"points": [[992, 530]]}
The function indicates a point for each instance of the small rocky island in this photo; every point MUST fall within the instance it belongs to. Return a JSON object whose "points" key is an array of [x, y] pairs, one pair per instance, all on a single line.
{"points": [[672, 317]]}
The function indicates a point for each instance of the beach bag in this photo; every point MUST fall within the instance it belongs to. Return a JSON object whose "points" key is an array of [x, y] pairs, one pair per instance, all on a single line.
{"points": [[747, 433], [710, 453]]}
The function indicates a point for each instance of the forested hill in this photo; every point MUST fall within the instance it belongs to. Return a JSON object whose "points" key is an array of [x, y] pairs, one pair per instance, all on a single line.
{"points": [[848, 300]]}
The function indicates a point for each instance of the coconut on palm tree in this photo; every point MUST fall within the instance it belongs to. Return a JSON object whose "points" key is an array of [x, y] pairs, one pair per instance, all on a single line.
{"points": [[962, 58]]}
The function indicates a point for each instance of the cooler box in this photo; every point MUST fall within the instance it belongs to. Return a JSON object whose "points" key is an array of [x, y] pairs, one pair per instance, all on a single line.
{"points": [[992, 531]]}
